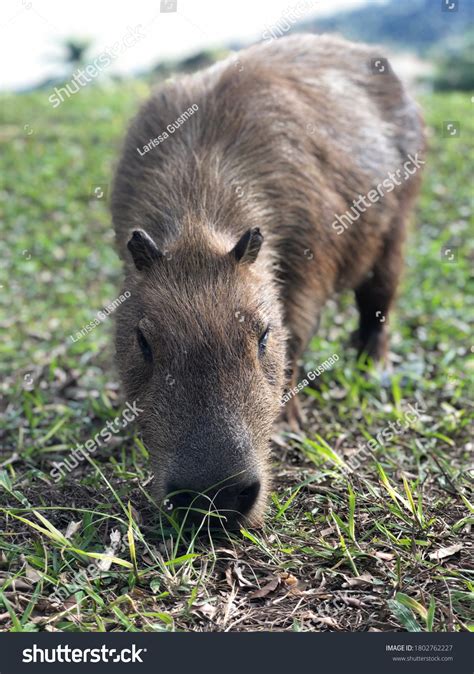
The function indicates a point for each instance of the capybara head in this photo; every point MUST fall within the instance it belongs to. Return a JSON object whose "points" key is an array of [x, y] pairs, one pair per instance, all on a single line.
{"points": [[201, 345]]}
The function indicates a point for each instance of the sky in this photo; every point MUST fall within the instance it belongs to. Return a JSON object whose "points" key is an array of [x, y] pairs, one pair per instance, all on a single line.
{"points": [[31, 31]]}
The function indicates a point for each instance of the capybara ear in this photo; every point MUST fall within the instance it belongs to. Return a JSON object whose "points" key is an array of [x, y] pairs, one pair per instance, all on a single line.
{"points": [[248, 246], [143, 249]]}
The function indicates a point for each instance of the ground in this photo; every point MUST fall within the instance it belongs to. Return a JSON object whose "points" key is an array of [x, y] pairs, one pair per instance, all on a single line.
{"points": [[354, 539]]}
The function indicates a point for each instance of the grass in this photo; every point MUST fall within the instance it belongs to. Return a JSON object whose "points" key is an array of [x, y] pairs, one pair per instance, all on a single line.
{"points": [[354, 540]]}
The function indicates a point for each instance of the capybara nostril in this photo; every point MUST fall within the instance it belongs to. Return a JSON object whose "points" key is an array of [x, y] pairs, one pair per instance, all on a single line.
{"points": [[182, 498], [228, 502], [247, 497]]}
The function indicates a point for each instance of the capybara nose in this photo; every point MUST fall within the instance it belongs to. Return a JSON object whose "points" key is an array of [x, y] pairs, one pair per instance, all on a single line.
{"points": [[225, 503]]}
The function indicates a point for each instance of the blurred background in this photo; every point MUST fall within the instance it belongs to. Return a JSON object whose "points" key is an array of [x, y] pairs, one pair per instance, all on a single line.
{"points": [[44, 42]]}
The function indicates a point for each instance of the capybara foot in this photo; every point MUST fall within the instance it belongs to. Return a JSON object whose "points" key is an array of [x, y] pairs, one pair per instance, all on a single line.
{"points": [[372, 345]]}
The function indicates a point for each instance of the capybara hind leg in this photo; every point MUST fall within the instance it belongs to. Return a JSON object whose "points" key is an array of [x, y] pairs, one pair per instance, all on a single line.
{"points": [[375, 297]]}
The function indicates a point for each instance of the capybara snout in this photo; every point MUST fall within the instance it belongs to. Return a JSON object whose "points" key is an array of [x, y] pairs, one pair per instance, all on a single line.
{"points": [[226, 504], [216, 469]]}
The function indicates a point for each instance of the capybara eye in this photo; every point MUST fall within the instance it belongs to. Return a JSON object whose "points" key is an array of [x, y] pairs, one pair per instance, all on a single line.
{"points": [[144, 346], [262, 342]]}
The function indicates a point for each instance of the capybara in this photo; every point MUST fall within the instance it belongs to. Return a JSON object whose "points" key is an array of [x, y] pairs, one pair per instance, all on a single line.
{"points": [[246, 195]]}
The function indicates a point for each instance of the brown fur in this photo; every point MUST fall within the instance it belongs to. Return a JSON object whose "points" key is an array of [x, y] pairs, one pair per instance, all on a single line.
{"points": [[284, 138]]}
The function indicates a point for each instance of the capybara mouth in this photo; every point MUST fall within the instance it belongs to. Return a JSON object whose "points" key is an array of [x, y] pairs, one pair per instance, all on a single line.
{"points": [[228, 508]]}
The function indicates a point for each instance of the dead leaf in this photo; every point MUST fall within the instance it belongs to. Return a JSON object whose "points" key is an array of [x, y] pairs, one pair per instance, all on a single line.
{"points": [[337, 393], [327, 531], [226, 551], [386, 556], [289, 579], [105, 563], [442, 553], [229, 577], [72, 528], [364, 579], [32, 574], [326, 620], [237, 572], [17, 584], [269, 587], [206, 609], [70, 602], [353, 601]]}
